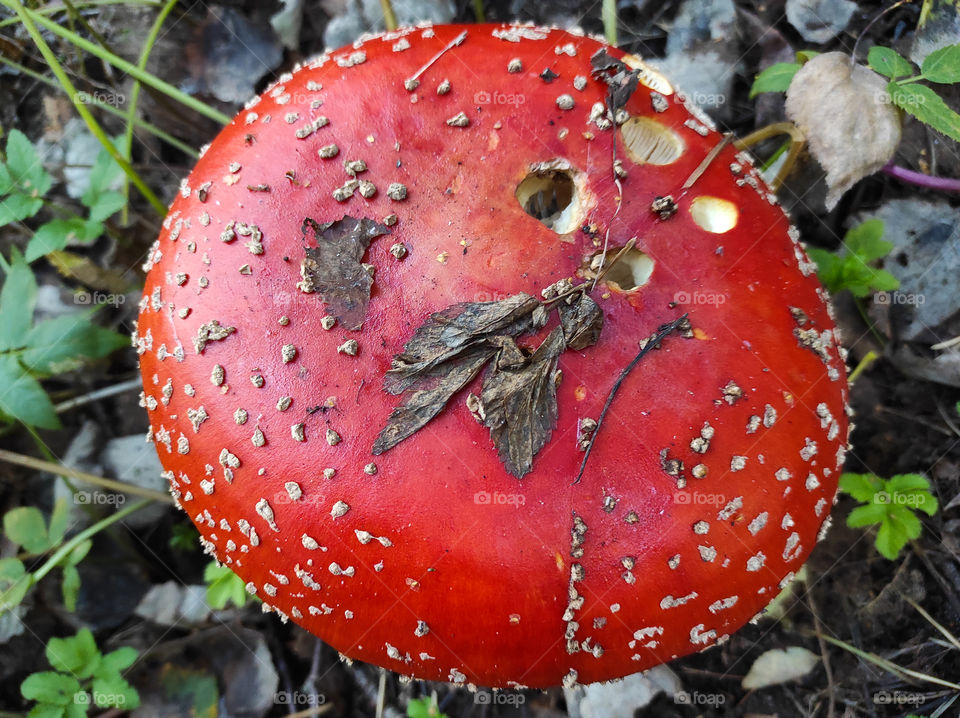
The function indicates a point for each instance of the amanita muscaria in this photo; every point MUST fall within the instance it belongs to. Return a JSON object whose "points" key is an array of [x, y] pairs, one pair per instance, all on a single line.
{"points": [[460, 171]]}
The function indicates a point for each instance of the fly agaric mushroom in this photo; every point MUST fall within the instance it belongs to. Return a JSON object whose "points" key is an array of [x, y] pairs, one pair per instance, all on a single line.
{"points": [[386, 312]]}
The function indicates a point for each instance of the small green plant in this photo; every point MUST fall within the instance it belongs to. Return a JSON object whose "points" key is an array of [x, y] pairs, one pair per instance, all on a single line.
{"points": [[941, 67], [852, 270], [82, 677], [24, 183], [890, 503], [25, 526], [30, 352], [425, 708], [224, 586]]}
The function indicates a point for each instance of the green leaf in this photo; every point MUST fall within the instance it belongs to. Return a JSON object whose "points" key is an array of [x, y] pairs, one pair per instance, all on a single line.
{"points": [[49, 687], [70, 587], [890, 539], [118, 660], [14, 583], [866, 515], [866, 240], [25, 527], [888, 62], [907, 482], [115, 692], [77, 655], [106, 204], [58, 521], [57, 233], [17, 300], [22, 398], [6, 181], [882, 281], [104, 173], [78, 553], [80, 705], [900, 514], [223, 586], [828, 267], [805, 56], [26, 169], [943, 65], [62, 344], [775, 78], [927, 106], [17, 207], [46, 710], [862, 487]]}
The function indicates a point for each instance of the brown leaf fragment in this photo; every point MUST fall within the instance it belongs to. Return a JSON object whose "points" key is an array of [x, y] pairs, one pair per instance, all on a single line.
{"points": [[435, 386], [449, 332], [621, 80], [520, 404], [333, 266], [582, 322]]}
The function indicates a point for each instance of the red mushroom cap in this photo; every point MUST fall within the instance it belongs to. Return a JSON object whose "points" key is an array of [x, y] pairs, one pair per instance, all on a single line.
{"points": [[478, 171]]}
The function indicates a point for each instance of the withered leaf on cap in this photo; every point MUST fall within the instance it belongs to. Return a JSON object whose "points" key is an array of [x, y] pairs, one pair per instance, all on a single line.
{"points": [[621, 80], [520, 404], [518, 399], [333, 266]]}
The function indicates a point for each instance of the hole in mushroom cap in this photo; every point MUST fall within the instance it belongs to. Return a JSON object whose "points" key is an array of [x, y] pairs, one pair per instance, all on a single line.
{"points": [[649, 142], [550, 194], [631, 271], [648, 76], [714, 214]]}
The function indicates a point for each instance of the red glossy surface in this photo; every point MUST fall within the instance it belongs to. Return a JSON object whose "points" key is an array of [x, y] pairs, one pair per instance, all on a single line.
{"points": [[485, 560]]}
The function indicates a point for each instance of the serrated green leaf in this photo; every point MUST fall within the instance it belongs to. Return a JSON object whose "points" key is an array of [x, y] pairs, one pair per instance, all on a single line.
{"points": [[118, 660], [25, 526], [56, 234], [6, 181], [49, 687], [890, 539], [59, 518], [62, 344], [14, 583], [106, 204], [927, 106], [223, 586], [866, 240], [17, 300], [903, 516], [943, 65], [105, 172], [47, 710], [907, 482], [22, 398], [70, 587], [926, 502], [866, 515], [113, 691], [26, 169], [882, 281], [17, 207], [862, 487], [889, 63], [828, 267], [77, 655], [775, 78]]}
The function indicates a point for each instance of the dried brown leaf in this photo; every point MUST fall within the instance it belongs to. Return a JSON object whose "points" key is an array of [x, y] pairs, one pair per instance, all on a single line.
{"points": [[582, 321], [846, 113], [520, 404], [333, 266]]}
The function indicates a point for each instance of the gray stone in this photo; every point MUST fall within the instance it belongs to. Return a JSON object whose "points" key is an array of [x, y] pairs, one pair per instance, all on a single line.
{"points": [[819, 20]]}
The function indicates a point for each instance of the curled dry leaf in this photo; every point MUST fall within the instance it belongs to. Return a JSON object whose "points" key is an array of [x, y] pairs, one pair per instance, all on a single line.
{"points": [[333, 266], [847, 115], [780, 665]]}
